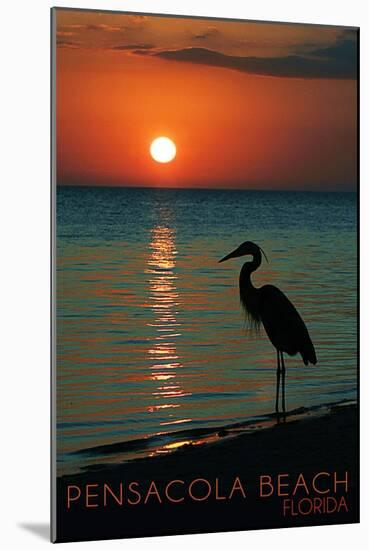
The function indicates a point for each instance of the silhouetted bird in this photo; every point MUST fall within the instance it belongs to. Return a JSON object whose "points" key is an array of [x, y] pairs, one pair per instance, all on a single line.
{"points": [[267, 304]]}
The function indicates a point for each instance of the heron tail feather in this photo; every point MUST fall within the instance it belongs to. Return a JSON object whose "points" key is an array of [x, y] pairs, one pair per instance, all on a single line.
{"points": [[308, 354]]}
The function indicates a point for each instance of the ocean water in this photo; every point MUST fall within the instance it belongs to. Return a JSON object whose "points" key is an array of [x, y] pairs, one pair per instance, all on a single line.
{"points": [[151, 339]]}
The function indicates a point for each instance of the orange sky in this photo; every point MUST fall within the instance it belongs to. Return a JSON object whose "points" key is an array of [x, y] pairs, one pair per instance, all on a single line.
{"points": [[247, 104]]}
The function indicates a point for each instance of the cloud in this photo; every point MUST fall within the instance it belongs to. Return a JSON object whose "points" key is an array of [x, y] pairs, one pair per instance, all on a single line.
{"points": [[135, 22], [138, 18], [345, 49], [61, 43], [134, 47], [103, 27], [337, 61], [74, 29], [61, 34], [70, 29], [206, 33]]}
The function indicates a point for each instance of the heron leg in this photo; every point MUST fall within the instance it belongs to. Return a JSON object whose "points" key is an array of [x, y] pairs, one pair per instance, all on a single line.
{"points": [[278, 383], [283, 384]]}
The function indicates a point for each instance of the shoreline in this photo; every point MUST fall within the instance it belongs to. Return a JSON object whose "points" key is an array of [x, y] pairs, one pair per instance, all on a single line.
{"points": [[118, 454], [322, 447]]}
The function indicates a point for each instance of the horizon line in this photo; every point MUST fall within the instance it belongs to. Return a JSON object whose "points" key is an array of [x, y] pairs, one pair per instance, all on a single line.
{"points": [[265, 189]]}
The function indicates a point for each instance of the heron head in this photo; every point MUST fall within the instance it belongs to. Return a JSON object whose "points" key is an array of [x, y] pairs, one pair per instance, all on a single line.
{"points": [[245, 249]]}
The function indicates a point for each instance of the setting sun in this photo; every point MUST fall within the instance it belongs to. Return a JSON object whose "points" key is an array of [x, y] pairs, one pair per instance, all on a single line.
{"points": [[163, 149]]}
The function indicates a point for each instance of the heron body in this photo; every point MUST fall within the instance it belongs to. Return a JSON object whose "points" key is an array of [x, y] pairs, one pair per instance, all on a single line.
{"points": [[271, 307]]}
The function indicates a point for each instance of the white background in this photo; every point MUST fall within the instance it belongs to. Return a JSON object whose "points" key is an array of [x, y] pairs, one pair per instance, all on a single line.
{"points": [[24, 254]]}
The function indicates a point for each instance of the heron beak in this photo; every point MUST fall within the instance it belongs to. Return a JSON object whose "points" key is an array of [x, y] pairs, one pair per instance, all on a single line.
{"points": [[229, 256]]}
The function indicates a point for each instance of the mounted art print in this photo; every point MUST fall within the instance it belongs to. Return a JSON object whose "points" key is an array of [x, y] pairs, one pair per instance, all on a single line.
{"points": [[204, 276]]}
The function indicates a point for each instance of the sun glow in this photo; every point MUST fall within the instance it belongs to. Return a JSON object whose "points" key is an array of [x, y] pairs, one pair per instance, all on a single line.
{"points": [[163, 149]]}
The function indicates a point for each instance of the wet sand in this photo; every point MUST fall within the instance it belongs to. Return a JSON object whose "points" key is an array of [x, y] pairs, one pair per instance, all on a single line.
{"points": [[228, 495]]}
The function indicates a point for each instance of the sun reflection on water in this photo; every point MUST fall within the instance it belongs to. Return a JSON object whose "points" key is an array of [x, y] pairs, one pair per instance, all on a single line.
{"points": [[164, 304]]}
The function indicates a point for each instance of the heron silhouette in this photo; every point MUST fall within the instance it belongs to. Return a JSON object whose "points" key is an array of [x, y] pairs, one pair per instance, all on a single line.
{"points": [[269, 306]]}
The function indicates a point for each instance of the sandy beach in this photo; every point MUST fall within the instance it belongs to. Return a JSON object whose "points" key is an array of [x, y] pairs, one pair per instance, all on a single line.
{"points": [[297, 472]]}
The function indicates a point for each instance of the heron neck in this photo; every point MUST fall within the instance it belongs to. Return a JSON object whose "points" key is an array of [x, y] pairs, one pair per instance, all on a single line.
{"points": [[247, 269], [245, 278], [252, 266]]}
